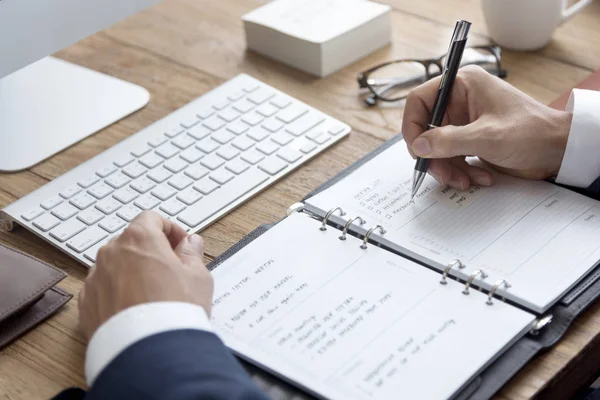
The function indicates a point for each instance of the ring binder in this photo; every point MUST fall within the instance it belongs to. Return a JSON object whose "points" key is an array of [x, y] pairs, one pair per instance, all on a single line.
{"points": [[369, 233], [454, 263], [329, 213], [472, 277], [350, 221], [494, 288]]}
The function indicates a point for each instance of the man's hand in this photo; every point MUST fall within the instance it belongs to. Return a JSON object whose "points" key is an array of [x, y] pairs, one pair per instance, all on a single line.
{"points": [[153, 260], [488, 118]]}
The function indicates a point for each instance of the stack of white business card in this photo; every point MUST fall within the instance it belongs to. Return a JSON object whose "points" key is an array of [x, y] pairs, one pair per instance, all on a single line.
{"points": [[318, 36]]}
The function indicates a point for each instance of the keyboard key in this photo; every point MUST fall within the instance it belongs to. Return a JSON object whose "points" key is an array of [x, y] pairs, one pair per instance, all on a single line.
{"points": [[208, 206], [221, 176], [143, 184], [159, 175], [213, 123], [100, 190], [242, 143], [336, 129], [167, 150], [272, 125], [46, 222], [221, 104], [176, 164], [250, 87], [291, 113], [205, 112], [82, 201], [196, 171], [89, 181], [158, 140], [281, 101], [129, 212], [304, 123], [90, 216], [52, 202], [243, 106], [267, 148], [140, 151], [272, 165], [67, 230], [189, 196], [108, 205], [235, 96], [229, 115], [282, 138], [70, 191], [308, 147], [111, 224], [134, 170], [191, 155], [106, 171], [252, 156], [260, 96], [228, 152], [238, 127], [151, 160], [183, 141], [207, 145], [180, 182], [312, 135], [172, 206], [206, 186], [258, 133], [212, 161], [322, 139], [123, 160], [199, 132], [164, 192], [190, 121], [64, 211], [126, 195], [289, 155], [237, 166], [32, 214], [253, 119], [117, 181], [223, 136], [92, 252], [174, 131], [267, 110], [87, 239], [146, 202]]}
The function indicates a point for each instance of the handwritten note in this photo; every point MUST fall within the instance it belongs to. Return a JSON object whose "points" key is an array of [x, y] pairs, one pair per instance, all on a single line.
{"points": [[454, 198]]}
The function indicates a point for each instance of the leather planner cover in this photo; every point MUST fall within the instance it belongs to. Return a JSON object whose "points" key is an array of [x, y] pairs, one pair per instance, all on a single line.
{"points": [[27, 293]]}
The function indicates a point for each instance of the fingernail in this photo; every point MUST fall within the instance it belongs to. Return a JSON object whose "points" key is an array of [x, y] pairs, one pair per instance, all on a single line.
{"points": [[483, 180], [457, 184], [197, 242], [421, 146]]}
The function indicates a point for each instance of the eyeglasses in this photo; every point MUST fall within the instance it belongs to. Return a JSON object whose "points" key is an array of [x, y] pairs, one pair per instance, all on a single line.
{"points": [[393, 80]]}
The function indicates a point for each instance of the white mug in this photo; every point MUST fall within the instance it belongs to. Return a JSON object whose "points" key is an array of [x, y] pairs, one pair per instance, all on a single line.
{"points": [[527, 24]]}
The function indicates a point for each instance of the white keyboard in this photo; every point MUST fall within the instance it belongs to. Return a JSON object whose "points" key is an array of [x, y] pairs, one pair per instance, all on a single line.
{"points": [[192, 167]]}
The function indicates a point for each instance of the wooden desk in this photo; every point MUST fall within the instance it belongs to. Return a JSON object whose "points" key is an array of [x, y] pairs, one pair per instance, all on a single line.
{"points": [[181, 49]]}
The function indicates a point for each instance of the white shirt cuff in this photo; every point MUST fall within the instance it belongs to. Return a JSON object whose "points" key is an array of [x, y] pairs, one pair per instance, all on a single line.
{"points": [[581, 163], [136, 323]]}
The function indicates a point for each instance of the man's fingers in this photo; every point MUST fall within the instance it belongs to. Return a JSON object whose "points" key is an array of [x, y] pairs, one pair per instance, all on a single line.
{"points": [[418, 109], [154, 222], [191, 251], [449, 141]]}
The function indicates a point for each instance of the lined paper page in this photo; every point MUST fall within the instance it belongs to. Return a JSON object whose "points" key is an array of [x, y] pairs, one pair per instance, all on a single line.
{"points": [[344, 322], [538, 236]]}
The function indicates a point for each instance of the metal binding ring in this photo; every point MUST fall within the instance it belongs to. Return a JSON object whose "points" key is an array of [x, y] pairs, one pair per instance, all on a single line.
{"points": [[324, 226], [494, 288], [472, 277], [350, 221], [369, 232], [454, 263]]}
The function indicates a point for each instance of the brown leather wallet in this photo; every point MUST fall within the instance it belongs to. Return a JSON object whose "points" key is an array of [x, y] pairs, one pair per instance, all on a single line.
{"points": [[27, 293]]}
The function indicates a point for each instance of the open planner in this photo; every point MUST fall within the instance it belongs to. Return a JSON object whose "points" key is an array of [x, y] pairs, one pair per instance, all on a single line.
{"points": [[365, 294]]}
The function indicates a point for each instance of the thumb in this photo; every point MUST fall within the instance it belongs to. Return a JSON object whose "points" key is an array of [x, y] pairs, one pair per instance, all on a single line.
{"points": [[191, 250], [448, 141]]}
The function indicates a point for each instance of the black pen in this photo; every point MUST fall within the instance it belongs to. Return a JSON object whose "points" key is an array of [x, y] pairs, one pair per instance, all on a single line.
{"points": [[455, 52]]}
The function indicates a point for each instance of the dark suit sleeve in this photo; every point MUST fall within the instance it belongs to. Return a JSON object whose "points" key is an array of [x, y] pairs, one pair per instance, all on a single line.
{"points": [[177, 365]]}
